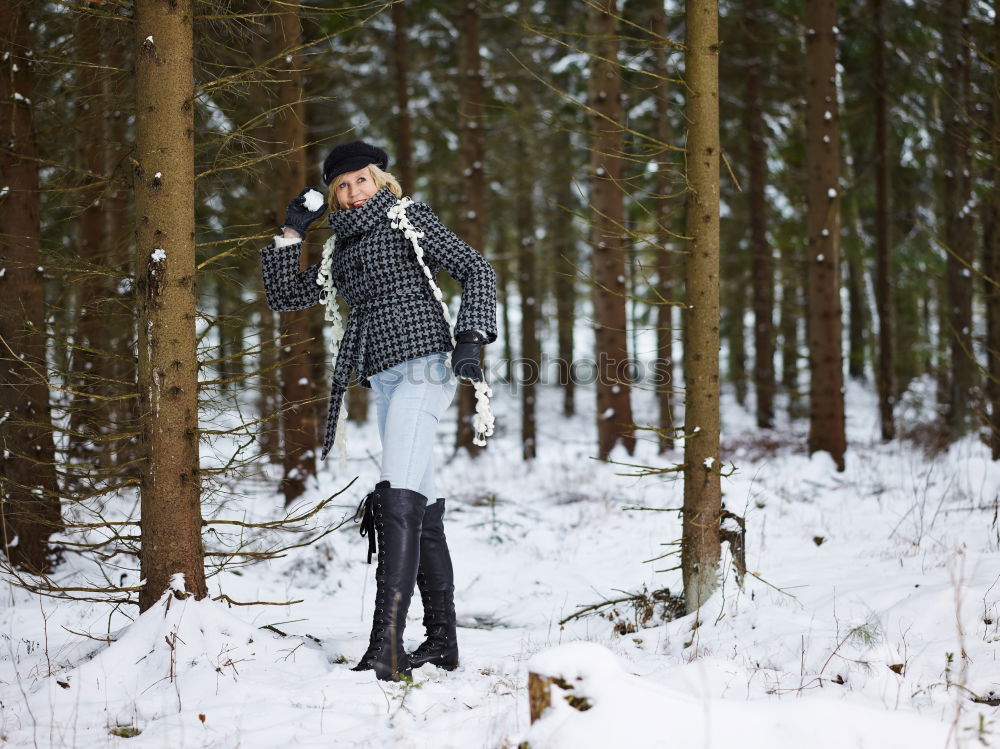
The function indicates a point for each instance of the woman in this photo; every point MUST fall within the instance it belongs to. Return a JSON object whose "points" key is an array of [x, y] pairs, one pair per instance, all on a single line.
{"points": [[382, 260]]}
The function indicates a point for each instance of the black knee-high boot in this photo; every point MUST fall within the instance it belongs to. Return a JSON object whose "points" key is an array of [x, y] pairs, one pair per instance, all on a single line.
{"points": [[436, 580], [392, 517]]}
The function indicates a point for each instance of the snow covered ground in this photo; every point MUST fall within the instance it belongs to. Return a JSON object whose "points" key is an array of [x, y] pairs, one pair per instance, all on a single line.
{"points": [[871, 617]]}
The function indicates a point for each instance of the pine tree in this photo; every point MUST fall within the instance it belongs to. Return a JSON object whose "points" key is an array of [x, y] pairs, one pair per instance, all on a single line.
{"points": [[826, 391], [958, 234], [884, 370], [404, 127], [528, 289], [663, 214], [165, 269], [300, 426], [607, 198], [29, 501], [700, 545], [761, 262], [472, 157], [991, 247]]}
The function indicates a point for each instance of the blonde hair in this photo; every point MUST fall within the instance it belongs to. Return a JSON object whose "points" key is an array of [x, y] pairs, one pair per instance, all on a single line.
{"points": [[382, 179]]}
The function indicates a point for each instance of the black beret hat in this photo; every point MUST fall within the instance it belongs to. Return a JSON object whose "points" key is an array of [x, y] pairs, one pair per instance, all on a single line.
{"points": [[349, 157]]}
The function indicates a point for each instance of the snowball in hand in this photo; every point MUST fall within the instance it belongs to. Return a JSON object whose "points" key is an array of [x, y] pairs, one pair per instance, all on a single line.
{"points": [[314, 200]]}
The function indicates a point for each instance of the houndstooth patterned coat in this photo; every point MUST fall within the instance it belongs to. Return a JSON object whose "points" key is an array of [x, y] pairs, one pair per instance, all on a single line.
{"points": [[394, 316]]}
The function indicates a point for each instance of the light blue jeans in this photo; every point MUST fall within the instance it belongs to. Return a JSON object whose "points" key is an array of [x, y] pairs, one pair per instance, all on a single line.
{"points": [[410, 399]]}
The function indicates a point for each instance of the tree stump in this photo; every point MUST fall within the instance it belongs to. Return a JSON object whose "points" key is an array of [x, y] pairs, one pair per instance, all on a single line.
{"points": [[540, 694]]}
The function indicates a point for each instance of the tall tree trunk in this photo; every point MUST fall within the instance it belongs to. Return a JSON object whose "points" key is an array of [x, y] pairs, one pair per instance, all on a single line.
{"points": [[958, 235], [319, 372], [268, 389], [404, 127], [319, 347], [790, 311], [665, 256], [853, 242], [859, 316], [90, 354], [299, 422], [357, 403], [761, 263], [826, 376], [230, 319], [120, 324], [564, 261], [632, 260], [855, 282], [216, 308], [472, 147], [166, 290], [28, 492], [614, 407], [734, 311], [664, 374], [502, 266], [700, 544], [992, 249], [885, 379], [527, 286]]}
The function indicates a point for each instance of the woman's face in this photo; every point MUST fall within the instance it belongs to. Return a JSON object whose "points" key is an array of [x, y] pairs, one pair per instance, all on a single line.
{"points": [[354, 188]]}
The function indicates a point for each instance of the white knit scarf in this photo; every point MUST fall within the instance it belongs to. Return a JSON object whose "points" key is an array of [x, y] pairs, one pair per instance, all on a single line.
{"points": [[482, 420], [332, 314]]}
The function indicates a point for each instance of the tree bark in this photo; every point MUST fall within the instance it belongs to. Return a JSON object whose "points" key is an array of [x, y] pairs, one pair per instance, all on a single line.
{"points": [[665, 254], [28, 492], [502, 265], [268, 388], [790, 310], [404, 126], [885, 379], [230, 321], [614, 408], [91, 358], [539, 698], [991, 245], [854, 281], [665, 331], [761, 263], [540, 691], [299, 422], [472, 148], [826, 376], [120, 325], [357, 403], [958, 231], [565, 263], [700, 544], [859, 316], [527, 286], [166, 291], [733, 313], [311, 155]]}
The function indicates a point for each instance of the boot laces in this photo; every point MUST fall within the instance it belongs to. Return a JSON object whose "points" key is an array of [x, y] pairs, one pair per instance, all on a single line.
{"points": [[366, 515]]}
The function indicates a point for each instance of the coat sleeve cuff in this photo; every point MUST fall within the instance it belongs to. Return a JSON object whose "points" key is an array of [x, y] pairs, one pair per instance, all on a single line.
{"points": [[472, 336]]}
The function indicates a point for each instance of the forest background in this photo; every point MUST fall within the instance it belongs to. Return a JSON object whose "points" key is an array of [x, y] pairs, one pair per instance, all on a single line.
{"points": [[856, 185]]}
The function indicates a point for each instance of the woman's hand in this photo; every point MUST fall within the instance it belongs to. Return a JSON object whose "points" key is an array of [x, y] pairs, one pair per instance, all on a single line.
{"points": [[466, 356], [299, 217]]}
